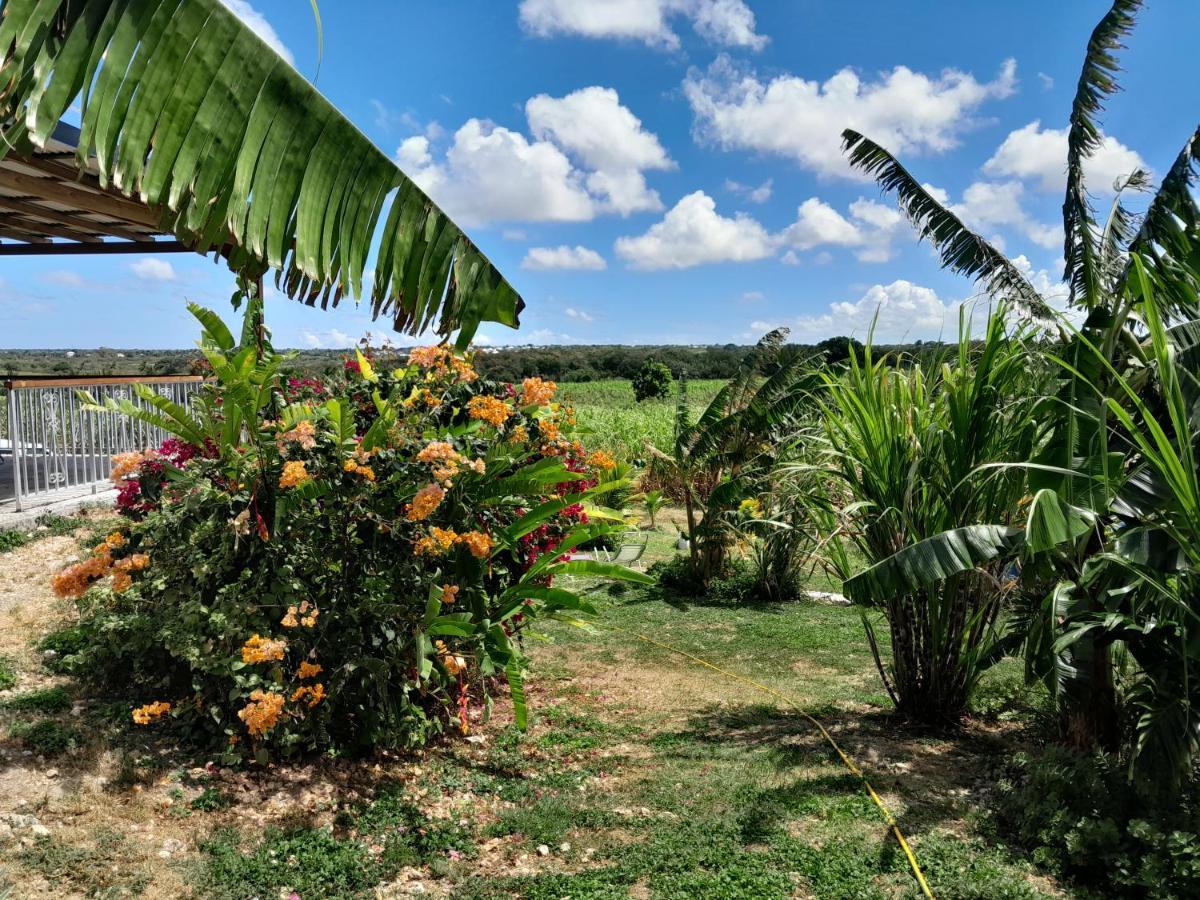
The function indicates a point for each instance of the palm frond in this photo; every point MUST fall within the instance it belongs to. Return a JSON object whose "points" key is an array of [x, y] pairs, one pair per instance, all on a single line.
{"points": [[1168, 241], [1097, 81], [961, 250], [184, 107]]}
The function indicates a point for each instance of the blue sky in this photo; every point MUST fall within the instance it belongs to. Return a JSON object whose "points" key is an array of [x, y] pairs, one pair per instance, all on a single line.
{"points": [[667, 171]]}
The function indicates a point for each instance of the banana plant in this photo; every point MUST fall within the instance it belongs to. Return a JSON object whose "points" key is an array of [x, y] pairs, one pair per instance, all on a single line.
{"points": [[1088, 470]]}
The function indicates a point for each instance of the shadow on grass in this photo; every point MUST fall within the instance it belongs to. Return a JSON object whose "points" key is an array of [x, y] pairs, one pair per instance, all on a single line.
{"points": [[629, 595], [933, 775]]}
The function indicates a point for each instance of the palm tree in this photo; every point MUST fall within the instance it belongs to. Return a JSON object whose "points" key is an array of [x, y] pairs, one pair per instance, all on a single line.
{"points": [[1088, 455], [184, 107]]}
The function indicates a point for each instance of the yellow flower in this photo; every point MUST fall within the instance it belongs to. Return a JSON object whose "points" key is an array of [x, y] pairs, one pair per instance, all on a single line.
{"points": [[492, 410], [478, 543], [751, 507], [601, 459], [294, 474], [536, 392], [263, 649], [262, 713], [437, 542], [309, 670], [454, 664], [424, 503], [315, 694], [144, 715], [115, 541]]}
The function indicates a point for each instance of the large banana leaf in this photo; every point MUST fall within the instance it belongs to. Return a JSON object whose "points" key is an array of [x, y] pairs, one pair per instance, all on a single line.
{"points": [[932, 560], [186, 108]]}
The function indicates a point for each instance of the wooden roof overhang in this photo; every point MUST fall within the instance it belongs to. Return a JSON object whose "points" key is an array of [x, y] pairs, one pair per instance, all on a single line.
{"points": [[51, 207]]}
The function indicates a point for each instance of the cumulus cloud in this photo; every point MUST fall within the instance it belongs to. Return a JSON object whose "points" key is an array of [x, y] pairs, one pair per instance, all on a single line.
{"points": [[606, 138], [727, 23], [902, 311], [258, 23], [989, 205], [153, 269], [492, 174], [563, 257], [908, 112], [586, 155], [693, 233], [1035, 153], [573, 313]]}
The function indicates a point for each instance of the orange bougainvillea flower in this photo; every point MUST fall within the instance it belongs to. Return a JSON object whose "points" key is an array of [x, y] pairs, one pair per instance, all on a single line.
{"points": [[262, 713], [126, 464], [115, 541], [294, 474], [73, 581], [519, 435], [263, 649], [424, 503], [602, 459], [309, 670], [536, 392], [437, 542], [454, 664], [303, 435], [478, 543], [492, 410], [144, 715], [314, 693], [449, 593]]}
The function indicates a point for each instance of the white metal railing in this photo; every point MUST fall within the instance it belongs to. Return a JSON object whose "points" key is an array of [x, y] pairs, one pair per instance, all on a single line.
{"points": [[58, 448]]}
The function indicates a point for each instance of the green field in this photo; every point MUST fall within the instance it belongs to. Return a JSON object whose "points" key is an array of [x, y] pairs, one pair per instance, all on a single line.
{"points": [[612, 420]]}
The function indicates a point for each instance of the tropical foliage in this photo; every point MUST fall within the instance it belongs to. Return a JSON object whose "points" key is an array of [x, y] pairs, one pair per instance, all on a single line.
{"points": [[725, 456], [314, 566], [1107, 604], [240, 156]]}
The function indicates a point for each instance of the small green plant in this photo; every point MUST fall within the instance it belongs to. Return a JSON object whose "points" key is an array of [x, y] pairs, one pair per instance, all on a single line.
{"points": [[44, 700], [8, 674], [47, 737], [11, 539], [101, 868], [211, 799], [653, 501], [64, 644], [652, 381]]}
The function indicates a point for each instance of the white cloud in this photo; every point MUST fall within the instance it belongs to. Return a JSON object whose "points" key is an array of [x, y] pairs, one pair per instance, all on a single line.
{"points": [[258, 23], [752, 296], [563, 257], [760, 194], [573, 313], [547, 336], [870, 229], [908, 112], [1036, 153], [1046, 80], [989, 204], [693, 233], [725, 22], [514, 234], [905, 311], [153, 269], [605, 137], [493, 174], [586, 155]]}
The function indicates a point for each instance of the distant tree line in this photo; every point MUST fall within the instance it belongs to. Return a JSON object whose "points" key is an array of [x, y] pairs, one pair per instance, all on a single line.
{"points": [[564, 363]]}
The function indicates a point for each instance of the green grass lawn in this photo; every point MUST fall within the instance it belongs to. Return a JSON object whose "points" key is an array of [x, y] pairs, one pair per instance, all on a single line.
{"points": [[642, 775]]}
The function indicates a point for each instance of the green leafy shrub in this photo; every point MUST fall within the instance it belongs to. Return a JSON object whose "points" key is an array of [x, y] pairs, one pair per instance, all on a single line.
{"points": [[47, 737], [1079, 817], [10, 539], [47, 700], [8, 674], [652, 381], [302, 575]]}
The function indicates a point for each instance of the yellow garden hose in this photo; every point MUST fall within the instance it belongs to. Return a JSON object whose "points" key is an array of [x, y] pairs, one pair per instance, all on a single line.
{"points": [[849, 763]]}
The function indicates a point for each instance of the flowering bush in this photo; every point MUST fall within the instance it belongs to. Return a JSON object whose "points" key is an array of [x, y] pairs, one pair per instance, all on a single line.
{"points": [[336, 573]]}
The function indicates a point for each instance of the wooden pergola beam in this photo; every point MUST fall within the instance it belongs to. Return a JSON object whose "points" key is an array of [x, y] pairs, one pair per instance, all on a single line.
{"points": [[45, 248], [77, 197], [27, 210], [12, 232]]}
